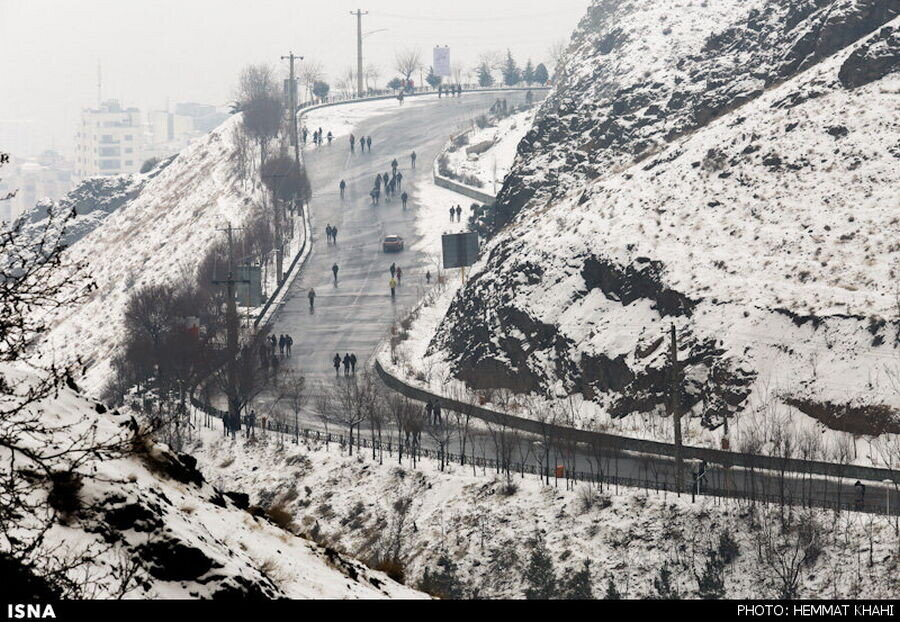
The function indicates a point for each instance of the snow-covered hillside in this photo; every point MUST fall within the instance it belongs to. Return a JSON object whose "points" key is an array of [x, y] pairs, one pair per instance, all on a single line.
{"points": [[160, 235], [486, 528], [727, 167], [488, 152], [150, 525]]}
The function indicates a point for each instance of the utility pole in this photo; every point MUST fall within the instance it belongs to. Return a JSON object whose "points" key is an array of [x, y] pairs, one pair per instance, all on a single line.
{"points": [[359, 56], [674, 407], [231, 325], [293, 91]]}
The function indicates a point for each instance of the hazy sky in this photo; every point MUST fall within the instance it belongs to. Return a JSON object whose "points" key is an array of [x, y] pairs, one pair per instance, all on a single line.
{"points": [[154, 51]]}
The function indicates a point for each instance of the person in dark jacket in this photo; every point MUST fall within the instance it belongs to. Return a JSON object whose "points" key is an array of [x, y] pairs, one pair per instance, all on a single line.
{"points": [[346, 364], [343, 187], [352, 362], [393, 270], [404, 197], [281, 344], [412, 159], [369, 143], [312, 299], [458, 213], [334, 270], [288, 344], [452, 213], [336, 362]]}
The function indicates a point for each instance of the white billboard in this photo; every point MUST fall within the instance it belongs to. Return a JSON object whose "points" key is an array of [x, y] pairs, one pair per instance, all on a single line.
{"points": [[442, 61]]}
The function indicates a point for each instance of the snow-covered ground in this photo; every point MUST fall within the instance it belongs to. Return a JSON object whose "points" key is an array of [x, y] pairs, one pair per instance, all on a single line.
{"points": [[151, 516], [489, 152], [160, 236], [626, 534], [685, 173]]}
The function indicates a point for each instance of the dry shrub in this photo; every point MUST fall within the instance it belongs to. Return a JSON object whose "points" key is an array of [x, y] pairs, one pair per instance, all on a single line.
{"points": [[281, 516]]}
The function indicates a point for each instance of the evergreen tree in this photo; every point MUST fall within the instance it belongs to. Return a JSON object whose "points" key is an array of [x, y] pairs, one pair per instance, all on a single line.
{"points": [[528, 74], [711, 583], [512, 75], [539, 576], [578, 586], [485, 78], [663, 584], [541, 75], [445, 582], [320, 89], [612, 593], [433, 80]]}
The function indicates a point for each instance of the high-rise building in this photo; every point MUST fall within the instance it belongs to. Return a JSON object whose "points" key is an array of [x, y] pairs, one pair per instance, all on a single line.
{"points": [[109, 142]]}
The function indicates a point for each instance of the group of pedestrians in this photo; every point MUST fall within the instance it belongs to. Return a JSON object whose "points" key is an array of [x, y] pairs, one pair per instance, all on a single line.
{"points": [[396, 279], [318, 138], [450, 90], [392, 184], [348, 362], [365, 143], [273, 349], [331, 234], [456, 212]]}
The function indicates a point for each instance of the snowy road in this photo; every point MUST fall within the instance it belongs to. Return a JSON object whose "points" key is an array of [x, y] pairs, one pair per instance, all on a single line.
{"points": [[355, 314]]}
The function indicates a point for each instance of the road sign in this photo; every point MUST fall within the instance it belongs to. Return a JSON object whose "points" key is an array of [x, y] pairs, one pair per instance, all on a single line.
{"points": [[460, 249], [248, 286]]}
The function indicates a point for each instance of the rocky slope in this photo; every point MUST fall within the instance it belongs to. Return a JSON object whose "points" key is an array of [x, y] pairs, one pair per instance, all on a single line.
{"points": [[145, 523], [729, 168]]}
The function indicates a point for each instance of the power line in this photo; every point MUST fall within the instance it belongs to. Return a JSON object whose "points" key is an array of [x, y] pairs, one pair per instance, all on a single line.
{"points": [[474, 19]]}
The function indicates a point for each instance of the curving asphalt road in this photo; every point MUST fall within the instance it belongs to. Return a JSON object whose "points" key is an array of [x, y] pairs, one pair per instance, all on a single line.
{"points": [[356, 313]]}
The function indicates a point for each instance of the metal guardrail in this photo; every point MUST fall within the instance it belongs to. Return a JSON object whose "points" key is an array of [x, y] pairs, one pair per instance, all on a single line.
{"points": [[611, 441], [601, 477]]}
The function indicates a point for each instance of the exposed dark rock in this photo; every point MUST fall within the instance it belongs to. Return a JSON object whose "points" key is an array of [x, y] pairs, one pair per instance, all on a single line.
{"points": [[874, 60], [172, 560]]}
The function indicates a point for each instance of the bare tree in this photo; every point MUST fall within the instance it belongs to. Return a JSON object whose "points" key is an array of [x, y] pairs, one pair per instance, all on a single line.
{"points": [[311, 71], [351, 401], [294, 385], [408, 62], [45, 462], [262, 106], [371, 74]]}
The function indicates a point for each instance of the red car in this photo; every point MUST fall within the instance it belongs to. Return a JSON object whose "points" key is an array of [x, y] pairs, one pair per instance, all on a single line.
{"points": [[392, 244]]}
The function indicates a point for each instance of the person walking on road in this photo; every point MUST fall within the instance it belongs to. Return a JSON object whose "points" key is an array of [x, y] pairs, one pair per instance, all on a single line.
{"points": [[412, 159], [394, 165], [353, 363], [458, 213], [330, 137], [334, 270], [346, 364], [399, 180], [404, 197], [312, 299], [393, 270], [334, 235], [369, 144], [288, 344], [281, 345], [378, 182], [393, 284], [336, 362], [452, 212], [428, 277], [328, 233], [352, 143], [384, 179], [343, 187], [399, 275]]}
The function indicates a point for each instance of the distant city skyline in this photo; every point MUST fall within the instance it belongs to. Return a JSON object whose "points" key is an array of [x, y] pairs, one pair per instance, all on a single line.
{"points": [[154, 54]]}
